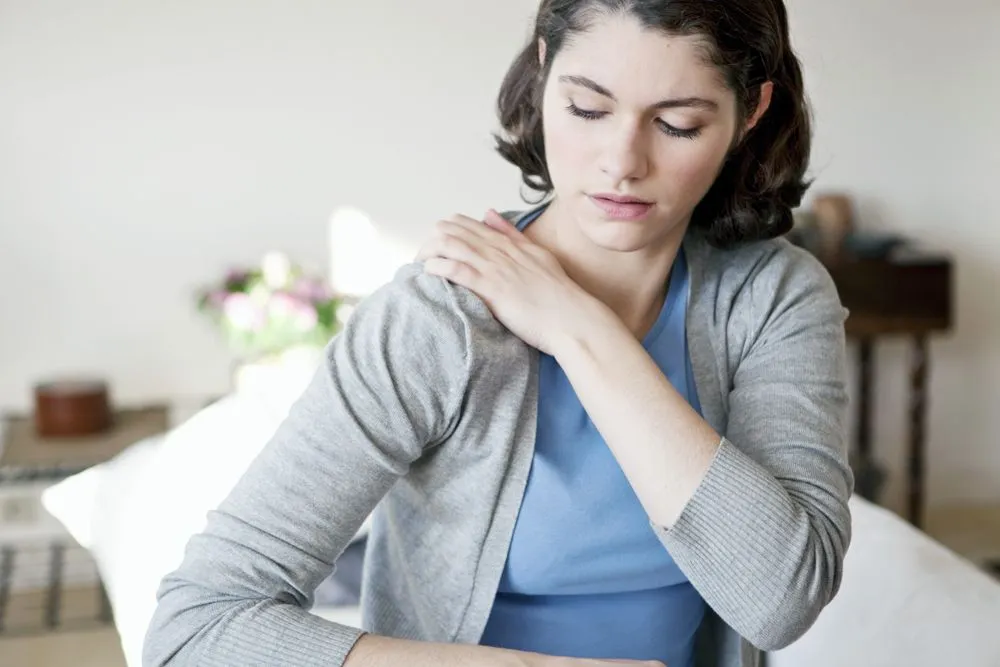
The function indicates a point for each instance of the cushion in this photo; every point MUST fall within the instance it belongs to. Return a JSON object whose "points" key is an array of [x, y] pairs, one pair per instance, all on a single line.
{"points": [[136, 512]]}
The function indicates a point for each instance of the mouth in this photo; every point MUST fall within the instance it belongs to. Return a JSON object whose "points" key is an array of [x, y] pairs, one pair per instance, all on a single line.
{"points": [[621, 207]]}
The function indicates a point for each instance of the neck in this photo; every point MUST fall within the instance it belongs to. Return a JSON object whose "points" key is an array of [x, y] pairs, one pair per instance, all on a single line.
{"points": [[632, 283]]}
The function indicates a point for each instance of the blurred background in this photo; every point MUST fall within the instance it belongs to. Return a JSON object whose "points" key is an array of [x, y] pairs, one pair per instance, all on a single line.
{"points": [[154, 154]]}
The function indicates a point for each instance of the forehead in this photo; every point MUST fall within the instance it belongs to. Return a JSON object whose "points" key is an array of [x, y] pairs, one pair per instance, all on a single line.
{"points": [[637, 63]]}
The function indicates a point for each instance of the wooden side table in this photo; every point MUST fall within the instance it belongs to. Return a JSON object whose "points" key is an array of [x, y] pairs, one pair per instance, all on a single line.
{"points": [[909, 294], [23, 454], [42, 587]]}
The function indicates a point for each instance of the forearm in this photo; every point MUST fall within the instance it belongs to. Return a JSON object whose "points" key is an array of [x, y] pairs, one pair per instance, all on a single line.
{"points": [[377, 651], [663, 446]]}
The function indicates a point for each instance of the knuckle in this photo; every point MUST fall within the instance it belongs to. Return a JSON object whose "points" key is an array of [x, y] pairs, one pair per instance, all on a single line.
{"points": [[464, 272], [452, 243]]}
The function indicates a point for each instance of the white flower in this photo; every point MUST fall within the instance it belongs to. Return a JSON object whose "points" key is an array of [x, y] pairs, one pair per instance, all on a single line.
{"points": [[277, 270]]}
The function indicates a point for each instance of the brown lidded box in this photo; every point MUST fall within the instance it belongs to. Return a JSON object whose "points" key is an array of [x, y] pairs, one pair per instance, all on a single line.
{"points": [[72, 408]]}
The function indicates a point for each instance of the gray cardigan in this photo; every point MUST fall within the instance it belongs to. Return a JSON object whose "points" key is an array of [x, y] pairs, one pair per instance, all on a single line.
{"points": [[426, 408]]}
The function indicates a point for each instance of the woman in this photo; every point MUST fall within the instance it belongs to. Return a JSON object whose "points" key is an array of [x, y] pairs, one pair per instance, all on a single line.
{"points": [[613, 430]]}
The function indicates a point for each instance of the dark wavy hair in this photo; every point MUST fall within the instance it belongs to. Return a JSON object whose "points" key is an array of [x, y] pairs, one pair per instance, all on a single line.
{"points": [[763, 177]]}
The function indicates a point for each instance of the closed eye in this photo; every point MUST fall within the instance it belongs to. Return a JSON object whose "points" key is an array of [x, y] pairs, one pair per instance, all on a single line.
{"points": [[666, 127], [586, 113]]}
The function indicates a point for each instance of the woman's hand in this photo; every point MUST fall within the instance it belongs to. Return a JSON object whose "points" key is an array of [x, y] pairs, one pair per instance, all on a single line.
{"points": [[375, 651], [523, 284], [583, 662]]}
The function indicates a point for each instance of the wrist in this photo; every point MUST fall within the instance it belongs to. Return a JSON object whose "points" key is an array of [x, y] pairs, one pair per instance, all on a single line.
{"points": [[588, 319]]}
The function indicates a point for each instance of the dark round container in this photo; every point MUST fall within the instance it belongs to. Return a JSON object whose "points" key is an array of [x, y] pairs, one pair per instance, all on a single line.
{"points": [[68, 408]]}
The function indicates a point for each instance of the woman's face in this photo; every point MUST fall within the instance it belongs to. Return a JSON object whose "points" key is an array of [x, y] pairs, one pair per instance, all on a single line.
{"points": [[633, 113]]}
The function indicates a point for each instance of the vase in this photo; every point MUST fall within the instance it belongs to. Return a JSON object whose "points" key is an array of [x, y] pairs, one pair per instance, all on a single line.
{"points": [[834, 216], [276, 380]]}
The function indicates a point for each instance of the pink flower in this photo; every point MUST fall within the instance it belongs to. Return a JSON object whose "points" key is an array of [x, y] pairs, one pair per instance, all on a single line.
{"points": [[242, 313], [282, 306], [312, 290], [305, 317], [285, 307], [216, 299]]}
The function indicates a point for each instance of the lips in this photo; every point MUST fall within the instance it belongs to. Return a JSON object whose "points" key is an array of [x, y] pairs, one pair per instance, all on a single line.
{"points": [[621, 207]]}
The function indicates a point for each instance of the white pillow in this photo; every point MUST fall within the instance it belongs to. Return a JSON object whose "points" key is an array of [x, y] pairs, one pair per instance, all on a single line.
{"points": [[136, 513], [905, 600]]}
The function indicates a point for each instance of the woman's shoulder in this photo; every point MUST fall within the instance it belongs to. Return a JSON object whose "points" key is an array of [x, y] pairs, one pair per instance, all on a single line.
{"points": [[417, 314], [773, 270], [765, 290], [414, 294]]}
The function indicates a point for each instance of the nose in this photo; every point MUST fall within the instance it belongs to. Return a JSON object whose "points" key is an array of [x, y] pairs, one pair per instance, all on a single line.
{"points": [[625, 157]]}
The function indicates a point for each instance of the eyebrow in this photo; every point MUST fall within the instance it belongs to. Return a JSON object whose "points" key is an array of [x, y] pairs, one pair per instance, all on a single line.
{"points": [[698, 102]]}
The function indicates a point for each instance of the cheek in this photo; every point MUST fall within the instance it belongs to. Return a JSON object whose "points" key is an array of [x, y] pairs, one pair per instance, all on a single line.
{"points": [[566, 146], [689, 171]]}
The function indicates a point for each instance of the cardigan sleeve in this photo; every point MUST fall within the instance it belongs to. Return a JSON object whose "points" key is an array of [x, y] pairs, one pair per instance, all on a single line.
{"points": [[764, 537], [390, 388]]}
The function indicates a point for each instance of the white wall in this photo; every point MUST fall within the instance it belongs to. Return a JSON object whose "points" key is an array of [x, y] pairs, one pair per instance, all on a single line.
{"points": [[906, 94], [146, 145]]}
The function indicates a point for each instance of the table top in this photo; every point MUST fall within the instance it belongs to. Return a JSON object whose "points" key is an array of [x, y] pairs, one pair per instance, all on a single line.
{"points": [[908, 292], [26, 456]]}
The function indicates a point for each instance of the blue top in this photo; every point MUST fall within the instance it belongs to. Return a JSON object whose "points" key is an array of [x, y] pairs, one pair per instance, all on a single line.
{"points": [[586, 576]]}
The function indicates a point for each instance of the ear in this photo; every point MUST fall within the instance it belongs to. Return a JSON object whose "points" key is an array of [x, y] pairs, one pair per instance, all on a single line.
{"points": [[766, 92], [542, 49]]}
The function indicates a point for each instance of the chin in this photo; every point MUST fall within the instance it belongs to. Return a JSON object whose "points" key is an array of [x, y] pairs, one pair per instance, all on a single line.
{"points": [[625, 235], [620, 236]]}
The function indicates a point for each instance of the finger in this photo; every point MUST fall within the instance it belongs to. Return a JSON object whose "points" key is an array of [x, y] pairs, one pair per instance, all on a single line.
{"points": [[501, 224], [488, 242], [518, 245], [472, 226], [455, 271], [461, 248], [469, 225]]}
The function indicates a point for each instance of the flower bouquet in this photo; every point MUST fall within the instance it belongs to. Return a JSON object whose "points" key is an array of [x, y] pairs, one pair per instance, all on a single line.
{"points": [[268, 309], [276, 318]]}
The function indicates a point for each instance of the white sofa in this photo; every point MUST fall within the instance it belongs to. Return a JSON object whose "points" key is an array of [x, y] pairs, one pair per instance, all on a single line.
{"points": [[905, 600]]}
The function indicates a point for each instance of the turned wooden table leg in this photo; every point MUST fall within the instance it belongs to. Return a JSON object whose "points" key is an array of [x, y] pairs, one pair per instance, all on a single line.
{"points": [[864, 434], [866, 473], [918, 417]]}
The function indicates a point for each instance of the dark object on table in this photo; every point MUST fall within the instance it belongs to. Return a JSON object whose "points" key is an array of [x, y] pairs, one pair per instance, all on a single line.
{"points": [[907, 292], [869, 245], [72, 408]]}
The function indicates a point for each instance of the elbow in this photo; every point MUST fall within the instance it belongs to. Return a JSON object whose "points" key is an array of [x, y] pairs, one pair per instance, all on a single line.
{"points": [[159, 649], [165, 643], [785, 618], [812, 581], [155, 653], [780, 629], [177, 627]]}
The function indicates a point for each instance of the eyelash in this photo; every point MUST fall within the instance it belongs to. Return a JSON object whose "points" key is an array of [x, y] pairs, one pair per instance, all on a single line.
{"points": [[667, 129]]}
